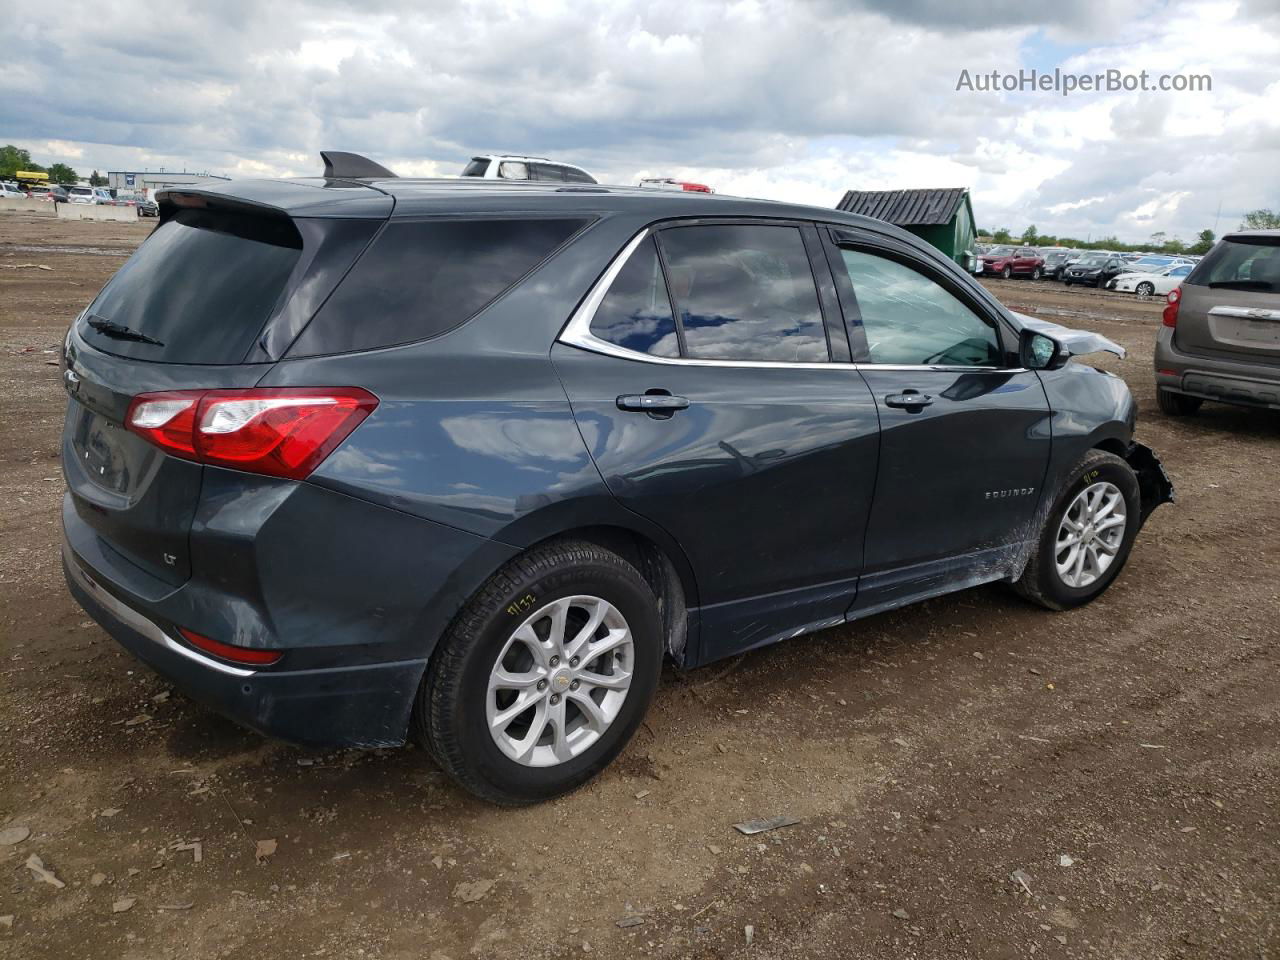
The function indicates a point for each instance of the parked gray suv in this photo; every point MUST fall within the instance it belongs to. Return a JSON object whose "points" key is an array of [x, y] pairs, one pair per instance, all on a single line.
{"points": [[1220, 337]]}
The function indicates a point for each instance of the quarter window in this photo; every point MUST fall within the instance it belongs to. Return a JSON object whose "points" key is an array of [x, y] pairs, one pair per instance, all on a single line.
{"points": [[419, 279], [744, 292], [636, 312], [910, 319]]}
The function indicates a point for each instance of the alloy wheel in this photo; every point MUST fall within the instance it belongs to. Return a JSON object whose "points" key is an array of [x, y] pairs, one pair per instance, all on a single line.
{"points": [[560, 681], [1090, 534]]}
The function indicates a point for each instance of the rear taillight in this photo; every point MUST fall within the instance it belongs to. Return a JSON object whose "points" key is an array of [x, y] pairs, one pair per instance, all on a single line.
{"points": [[694, 187], [227, 651], [282, 432], [1170, 315]]}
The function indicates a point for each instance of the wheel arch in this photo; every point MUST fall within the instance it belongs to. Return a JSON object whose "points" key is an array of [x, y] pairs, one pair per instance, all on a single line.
{"points": [[664, 568]]}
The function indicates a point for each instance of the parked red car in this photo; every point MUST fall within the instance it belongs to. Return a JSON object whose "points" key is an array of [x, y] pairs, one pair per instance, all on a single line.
{"points": [[1012, 262]]}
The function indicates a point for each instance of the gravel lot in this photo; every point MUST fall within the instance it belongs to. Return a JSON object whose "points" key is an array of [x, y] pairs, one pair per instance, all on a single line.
{"points": [[973, 777]]}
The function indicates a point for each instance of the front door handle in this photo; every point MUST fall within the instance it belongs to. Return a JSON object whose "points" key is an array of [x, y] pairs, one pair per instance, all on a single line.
{"points": [[908, 400], [652, 402]]}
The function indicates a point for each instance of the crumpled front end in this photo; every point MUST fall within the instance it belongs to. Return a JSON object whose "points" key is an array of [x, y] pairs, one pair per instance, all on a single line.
{"points": [[1153, 482]]}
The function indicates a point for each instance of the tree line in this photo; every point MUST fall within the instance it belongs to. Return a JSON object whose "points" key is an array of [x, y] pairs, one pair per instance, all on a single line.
{"points": [[1159, 242], [13, 159]]}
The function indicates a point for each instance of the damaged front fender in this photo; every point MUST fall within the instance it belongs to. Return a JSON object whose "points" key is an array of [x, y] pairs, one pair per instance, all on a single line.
{"points": [[1154, 484]]}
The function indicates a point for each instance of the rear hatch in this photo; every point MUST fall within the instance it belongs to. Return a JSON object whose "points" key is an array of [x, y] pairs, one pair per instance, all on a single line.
{"points": [[1230, 304], [209, 300]]}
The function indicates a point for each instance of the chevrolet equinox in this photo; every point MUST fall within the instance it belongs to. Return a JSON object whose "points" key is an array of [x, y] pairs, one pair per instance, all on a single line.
{"points": [[356, 458]]}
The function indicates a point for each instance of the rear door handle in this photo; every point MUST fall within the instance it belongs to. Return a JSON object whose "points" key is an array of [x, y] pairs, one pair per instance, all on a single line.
{"points": [[652, 402], [908, 401]]}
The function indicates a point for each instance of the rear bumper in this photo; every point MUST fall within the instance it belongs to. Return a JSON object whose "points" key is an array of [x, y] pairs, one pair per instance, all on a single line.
{"points": [[1225, 380], [363, 706]]}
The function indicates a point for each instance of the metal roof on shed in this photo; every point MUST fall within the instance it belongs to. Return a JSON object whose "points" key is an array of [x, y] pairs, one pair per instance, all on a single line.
{"points": [[906, 208]]}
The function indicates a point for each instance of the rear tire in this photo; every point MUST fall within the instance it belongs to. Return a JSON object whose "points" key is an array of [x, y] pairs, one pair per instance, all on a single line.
{"points": [[1177, 404], [1101, 482], [511, 644]]}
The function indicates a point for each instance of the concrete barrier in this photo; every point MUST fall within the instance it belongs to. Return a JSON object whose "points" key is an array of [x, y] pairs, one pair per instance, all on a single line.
{"points": [[93, 211], [42, 208]]}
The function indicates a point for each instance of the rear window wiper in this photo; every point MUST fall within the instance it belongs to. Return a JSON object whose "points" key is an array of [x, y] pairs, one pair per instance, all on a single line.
{"points": [[109, 328], [1242, 284]]}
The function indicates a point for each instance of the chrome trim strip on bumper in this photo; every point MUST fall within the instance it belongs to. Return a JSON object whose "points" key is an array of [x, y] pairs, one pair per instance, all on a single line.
{"points": [[136, 621]]}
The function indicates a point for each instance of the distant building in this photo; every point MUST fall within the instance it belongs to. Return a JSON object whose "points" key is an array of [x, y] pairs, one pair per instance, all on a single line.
{"points": [[126, 182], [943, 218]]}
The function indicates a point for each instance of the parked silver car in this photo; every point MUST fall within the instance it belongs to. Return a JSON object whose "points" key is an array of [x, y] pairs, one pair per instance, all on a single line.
{"points": [[1220, 336]]}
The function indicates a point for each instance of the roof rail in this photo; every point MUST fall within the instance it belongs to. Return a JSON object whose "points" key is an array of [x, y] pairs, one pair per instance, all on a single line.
{"points": [[351, 166]]}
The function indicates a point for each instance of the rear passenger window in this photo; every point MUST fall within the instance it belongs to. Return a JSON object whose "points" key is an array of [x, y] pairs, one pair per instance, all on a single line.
{"points": [[636, 312], [420, 279], [548, 171], [744, 292]]}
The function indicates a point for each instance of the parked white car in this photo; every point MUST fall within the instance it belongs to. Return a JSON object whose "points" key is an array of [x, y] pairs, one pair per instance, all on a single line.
{"points": [[526, 168], [1155, 283], [10, 191]]}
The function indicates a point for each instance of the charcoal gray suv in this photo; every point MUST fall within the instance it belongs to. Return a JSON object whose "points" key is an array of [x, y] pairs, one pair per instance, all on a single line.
{"points": [[355, 457]]}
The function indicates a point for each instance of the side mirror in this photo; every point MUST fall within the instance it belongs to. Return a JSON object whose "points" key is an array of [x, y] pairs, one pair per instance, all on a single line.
{"points": [[1037, 351]]}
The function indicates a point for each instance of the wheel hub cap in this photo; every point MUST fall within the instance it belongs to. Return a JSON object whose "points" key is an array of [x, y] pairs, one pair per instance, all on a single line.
{"points": [[1090, 534], [560, 681]]}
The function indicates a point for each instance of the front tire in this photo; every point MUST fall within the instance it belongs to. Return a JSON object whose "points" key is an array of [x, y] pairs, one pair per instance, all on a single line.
{"points": [[1177, 404], [1037, 273], [544, 676], [1087, 535], [1007, 272]]}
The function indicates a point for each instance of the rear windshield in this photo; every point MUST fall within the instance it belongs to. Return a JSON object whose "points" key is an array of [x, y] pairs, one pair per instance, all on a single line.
{"points": [[476, 168], [1241, 264], [201, 287], [421, 278]]}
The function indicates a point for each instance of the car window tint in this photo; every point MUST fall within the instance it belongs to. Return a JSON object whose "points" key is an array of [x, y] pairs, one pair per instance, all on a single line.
{"points": [[636, 312], [201, 287], [910, 319], [1255, 264], [548, 171], [478, 167], [745, 292], [419, 279], [577, 176]]}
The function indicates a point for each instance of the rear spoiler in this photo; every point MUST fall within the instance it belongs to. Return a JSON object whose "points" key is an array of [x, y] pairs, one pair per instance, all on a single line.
{"points": [[314, 197]]}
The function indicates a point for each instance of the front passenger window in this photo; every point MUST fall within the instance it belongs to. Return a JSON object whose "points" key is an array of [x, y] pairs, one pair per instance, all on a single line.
{"points": [[910, 319]]}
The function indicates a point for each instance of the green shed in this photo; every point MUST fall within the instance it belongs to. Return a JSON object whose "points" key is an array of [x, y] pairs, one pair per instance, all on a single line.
{"points": [[943, 218]]}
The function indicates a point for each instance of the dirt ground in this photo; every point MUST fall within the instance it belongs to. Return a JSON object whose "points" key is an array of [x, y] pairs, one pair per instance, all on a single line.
{"points": [[973, 777]]}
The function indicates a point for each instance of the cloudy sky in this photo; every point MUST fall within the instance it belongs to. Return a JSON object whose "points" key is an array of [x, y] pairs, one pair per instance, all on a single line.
{"points": [[785, 100]]}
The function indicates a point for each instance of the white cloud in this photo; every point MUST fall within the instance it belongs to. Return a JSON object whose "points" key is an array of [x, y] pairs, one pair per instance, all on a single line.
{"points": [[788, 100]]}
